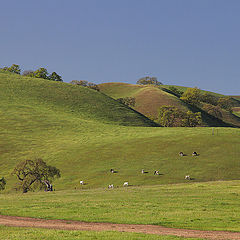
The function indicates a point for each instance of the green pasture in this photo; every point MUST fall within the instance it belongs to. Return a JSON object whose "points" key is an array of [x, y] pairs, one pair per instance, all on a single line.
{"points": [[13, 233], [204, 206], [82, 132]]}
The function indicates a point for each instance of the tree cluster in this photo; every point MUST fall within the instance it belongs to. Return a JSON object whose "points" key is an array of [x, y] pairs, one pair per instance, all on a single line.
{"points": [[85, 83], [210, 103], [169, 116], [13, 69], [129, 101], [149, 80], [34, 174], [43, 73], [39, 73]]}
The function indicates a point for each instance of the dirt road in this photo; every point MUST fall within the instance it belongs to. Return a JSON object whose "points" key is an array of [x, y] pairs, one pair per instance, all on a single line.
{"points": [[148, 229]]}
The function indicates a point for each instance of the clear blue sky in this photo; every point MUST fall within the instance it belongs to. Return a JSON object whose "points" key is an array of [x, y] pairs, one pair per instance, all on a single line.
{"points": [[182, 42]]}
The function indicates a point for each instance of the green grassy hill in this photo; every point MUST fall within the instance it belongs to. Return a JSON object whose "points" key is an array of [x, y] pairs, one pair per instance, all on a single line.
{"points": [[85, 133], [150, 98]]}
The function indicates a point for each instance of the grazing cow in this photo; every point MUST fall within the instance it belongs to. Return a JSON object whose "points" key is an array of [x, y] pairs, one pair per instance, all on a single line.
{"points": [[143, 171], [125, 184], [194, 154], [187, 177], [156, 172], [112, 170], [110, 186], [81, 182], [181, 154]]}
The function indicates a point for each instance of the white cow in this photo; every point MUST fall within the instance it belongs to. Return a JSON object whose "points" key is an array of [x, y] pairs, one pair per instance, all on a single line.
{"points": [[187, 177], [81, 182], [125, 184], [110, 186]]}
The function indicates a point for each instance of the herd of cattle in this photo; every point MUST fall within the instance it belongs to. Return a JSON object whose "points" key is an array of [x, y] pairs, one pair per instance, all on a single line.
{"points": [[156, 172]]}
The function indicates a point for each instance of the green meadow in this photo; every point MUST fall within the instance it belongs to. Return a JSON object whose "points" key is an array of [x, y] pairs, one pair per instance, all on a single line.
{"points": [[46, 234], [204, 206], [85, 133]]}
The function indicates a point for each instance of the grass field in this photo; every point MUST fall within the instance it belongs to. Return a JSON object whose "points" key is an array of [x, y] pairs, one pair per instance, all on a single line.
{"points": [[81, 132], [12, 233], [85, 133], [204, 206]]}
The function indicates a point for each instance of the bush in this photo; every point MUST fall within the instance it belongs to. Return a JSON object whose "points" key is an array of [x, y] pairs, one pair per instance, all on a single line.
{"points": [[13, 69], [175, 91], [85, 83], [192, 96], [2, 183], [129, 101], [209, 98], [213, 110], [169, 116]]}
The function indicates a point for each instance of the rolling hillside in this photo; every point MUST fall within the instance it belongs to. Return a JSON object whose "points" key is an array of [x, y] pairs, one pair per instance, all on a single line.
{"points": [[150, 98], [85, 133]]}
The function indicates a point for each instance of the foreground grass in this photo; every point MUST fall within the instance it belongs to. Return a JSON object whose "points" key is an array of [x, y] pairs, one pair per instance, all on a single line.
{"points": [[13, 233], [204, 206]]}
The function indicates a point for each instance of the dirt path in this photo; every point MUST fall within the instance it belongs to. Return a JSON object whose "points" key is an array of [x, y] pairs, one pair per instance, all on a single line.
{"points": [[150, 229]]}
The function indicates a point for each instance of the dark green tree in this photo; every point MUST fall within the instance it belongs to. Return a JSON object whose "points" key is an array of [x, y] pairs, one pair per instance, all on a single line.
{"points": [[55, 77], [41, 73], [169, 116], [2, 183], [176, 91], [14, 69], [35, 174], [129, 101], [192, 119], [192, 96], [149, 80], [209, 98]]}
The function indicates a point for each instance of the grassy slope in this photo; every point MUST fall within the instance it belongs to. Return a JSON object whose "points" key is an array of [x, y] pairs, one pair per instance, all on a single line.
{"points": [[204, 206], [236, 108], [150, 98], [55, 121]]}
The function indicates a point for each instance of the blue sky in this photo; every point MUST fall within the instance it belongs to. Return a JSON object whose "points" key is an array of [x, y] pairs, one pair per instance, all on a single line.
{"points": [[181, 42]]}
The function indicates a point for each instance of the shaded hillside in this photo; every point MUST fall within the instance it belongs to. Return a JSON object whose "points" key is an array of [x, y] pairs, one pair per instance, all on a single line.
{"points": [[150, 98], [17, 91]]}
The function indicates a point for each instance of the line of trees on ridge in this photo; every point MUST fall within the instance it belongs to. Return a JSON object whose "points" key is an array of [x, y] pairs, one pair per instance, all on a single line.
{"points": [[39, 73]]}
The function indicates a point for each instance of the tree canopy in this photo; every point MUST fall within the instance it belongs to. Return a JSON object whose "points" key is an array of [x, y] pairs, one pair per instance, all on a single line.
{"points": [[34, 174], [149, 80], [2, 183], [13, 69], [129, 101], [169, 116], [192, 96]]}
